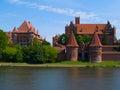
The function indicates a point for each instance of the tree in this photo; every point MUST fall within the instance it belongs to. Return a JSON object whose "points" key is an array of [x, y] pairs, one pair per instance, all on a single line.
{"points": [[9, 54], [83, 39], [19, 54], [3, 43], [63, 39], [39, 54], [50, 54], [35, 42], [105, 38], [3, 39], [45, 42], [117, 48]]}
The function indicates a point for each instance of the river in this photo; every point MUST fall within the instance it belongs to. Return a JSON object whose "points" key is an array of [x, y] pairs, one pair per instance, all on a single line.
{"points": [[74, 78]]}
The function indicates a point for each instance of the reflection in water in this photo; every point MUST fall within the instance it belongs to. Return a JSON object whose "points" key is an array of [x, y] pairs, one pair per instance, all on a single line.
{"points": [[36, 78]]}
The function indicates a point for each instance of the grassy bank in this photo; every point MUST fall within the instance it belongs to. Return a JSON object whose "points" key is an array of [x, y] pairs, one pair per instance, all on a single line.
{"points": [[88, 64], [65, 64]]}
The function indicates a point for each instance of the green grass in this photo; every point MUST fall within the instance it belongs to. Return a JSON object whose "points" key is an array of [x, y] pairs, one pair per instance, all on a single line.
{"points": [[88, 64], [66, 64]]}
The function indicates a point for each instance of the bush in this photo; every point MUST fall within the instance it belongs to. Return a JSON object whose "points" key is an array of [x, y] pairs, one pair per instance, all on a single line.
{"points": [[39, 54], [50, 54], [9, 54]]}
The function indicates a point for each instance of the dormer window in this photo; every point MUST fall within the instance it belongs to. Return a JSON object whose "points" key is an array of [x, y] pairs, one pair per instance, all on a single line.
{"points": [[81, 30]]}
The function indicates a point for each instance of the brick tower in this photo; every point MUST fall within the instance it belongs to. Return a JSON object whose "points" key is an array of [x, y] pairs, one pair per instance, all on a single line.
{"points": [[72, 48], [95, 49]]}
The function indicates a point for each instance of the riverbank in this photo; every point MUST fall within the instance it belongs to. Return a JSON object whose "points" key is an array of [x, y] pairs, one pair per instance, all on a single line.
{"points": [[63, 64]]}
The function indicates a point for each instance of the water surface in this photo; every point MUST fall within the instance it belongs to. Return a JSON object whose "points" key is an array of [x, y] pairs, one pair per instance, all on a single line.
{"points": [[37, 78]]}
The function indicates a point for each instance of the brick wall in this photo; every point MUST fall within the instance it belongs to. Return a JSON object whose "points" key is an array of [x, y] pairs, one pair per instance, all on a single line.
{"points": [[111, 56], [107, 48]]}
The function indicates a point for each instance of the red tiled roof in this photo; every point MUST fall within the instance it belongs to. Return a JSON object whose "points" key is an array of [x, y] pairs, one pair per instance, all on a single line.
{"points": [[25, 28], [89, 28], [72, 40], [95, 40]]}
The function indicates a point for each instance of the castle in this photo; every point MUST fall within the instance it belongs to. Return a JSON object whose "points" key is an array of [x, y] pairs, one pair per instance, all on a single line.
{"points": [[98, 50], [24, 34]]}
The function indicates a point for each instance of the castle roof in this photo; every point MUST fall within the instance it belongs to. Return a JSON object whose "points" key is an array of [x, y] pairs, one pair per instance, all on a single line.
{"points": [[72, 41], [95, 40], [25, 28], [89, 28]]}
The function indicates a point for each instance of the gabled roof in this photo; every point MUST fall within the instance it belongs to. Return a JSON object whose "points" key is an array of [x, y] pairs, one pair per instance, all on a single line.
{"points": [[72, 41], [89, 28], [25, 28], [95, 40]]}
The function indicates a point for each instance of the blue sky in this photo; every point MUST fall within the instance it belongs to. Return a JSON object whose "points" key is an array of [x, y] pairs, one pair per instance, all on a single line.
{"points": [[49, 17]]}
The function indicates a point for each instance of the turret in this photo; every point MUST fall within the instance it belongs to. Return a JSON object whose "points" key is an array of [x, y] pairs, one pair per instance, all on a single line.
{"points": [[67, 31], [95, 49], [77, 20], [72, 48]]}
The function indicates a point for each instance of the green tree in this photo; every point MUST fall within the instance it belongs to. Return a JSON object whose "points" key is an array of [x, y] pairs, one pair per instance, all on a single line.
{"points": [[83, 39], [50, 54], [105, 38], [63, 39], [45, 42], [86, 39], [35, 42], [26, 53], [117, 48], [19, 54], [3, 39], [39, 54], [34, 54], [9, 54]]}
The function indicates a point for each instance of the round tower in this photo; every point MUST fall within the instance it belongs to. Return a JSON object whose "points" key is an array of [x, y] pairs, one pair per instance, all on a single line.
{"points": [[72, 48], [95, 49]]}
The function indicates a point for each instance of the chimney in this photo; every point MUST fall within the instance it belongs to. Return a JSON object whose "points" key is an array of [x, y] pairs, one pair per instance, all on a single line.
{"points": [[77, 20]]}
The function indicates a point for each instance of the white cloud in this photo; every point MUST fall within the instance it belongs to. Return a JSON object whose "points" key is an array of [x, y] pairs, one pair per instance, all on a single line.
{"points": [[65, 11]]}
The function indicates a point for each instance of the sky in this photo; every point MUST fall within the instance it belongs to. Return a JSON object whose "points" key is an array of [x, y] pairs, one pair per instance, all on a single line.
{"points": [[50, 17]]}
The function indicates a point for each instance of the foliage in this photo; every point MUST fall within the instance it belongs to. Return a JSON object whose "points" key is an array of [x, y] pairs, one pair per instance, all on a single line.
{"points": [[63, 39], [1, 55], [50, 54], [39, 54], [3, 39], [83, 39], [117, 48], [45, 42], [105, 38], [9, 54], [19, 54], [35, 42], [33, 54]]}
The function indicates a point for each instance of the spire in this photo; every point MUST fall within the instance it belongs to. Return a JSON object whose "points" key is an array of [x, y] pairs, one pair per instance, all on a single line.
{"points": [[72, 41], [95, 40], [15, 29]]}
